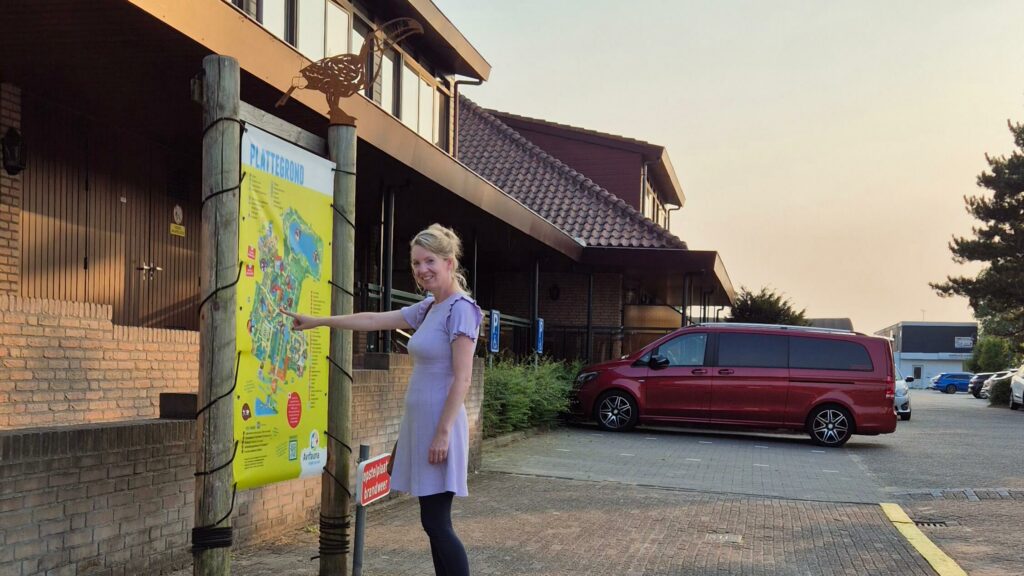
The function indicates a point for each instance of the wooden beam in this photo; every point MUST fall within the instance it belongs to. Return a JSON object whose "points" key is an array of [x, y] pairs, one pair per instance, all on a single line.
{"points": [[218, 268]]}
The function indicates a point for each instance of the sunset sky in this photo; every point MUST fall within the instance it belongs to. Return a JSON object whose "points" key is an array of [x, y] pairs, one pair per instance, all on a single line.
{"points": [[824, 147]]}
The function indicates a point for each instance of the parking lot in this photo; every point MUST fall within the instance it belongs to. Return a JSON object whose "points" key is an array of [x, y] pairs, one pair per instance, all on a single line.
{"points": [[665, 501]]}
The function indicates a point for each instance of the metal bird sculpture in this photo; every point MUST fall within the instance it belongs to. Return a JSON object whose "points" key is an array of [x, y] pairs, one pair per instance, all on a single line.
{"points": [[343, 75]]}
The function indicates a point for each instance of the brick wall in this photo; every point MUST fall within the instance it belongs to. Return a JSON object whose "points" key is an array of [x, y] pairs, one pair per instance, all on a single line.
{"points": [[107, 499], [67, 363], [513, 297], [118, 498], [10, 198]]}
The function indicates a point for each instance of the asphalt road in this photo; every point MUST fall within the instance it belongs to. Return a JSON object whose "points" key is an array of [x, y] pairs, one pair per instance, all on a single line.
{"points": [[952, 441]]}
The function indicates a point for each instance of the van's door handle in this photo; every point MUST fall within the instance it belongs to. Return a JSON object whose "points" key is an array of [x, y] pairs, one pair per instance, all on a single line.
{"points": [[699, 371], [726, 371]]}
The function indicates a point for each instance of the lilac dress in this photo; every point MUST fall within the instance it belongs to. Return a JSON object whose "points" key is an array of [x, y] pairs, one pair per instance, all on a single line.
{"points": [[432, 376]]}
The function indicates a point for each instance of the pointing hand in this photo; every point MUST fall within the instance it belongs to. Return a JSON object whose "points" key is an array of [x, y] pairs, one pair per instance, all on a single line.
{"points": [[300, 321]]}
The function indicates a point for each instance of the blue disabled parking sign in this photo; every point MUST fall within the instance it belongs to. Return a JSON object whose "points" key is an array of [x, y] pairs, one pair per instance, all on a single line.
{"points": [[540, 335], [495, 331]]}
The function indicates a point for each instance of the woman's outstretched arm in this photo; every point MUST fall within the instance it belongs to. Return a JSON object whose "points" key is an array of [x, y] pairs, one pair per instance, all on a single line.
{"points": [[361, 322]]}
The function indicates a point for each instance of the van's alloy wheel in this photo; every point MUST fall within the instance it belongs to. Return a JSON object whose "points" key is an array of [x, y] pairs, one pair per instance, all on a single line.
{"points": [[616, 411], [950, 388], [830, 426]]}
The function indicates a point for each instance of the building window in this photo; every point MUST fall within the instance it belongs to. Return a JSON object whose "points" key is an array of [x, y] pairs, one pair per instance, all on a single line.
{"points": [[311, 28], [409, 104], [442, 105], [274, 17], [336, 41], [389, 81], [360, 32], [426, 112]]}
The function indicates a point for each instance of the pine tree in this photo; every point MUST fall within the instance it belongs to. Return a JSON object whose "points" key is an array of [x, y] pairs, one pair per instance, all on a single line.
{"points": [[997, 293], [765, 307]]}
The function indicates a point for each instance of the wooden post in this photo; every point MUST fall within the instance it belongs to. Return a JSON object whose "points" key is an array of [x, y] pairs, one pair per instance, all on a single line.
{"points": [[335, 499], [219, 267]]}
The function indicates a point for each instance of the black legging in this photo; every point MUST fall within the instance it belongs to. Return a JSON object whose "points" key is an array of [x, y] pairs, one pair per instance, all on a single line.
{"points": [[446, 548]]}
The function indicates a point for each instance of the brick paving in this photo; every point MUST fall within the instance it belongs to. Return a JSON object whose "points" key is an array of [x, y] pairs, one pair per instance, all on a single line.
{"points": [[982, 536], [577, 501], [515, 524], [766, 465]]}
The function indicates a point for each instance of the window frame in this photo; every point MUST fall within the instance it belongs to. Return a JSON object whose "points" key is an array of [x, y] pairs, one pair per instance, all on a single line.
{"points": [[705, 362], [841, 341], [718, 349]]}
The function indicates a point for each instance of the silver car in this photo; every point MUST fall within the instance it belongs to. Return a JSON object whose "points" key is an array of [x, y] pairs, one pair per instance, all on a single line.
{"points": [[987, 386], [902, 400]]}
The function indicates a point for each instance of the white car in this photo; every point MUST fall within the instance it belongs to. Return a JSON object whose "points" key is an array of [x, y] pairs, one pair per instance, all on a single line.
{"points": [[1017, 389]]}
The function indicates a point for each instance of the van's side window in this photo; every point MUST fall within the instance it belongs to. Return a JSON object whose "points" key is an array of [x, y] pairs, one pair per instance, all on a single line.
{"points": [[738, 350], [686, 350], [825, 354]]}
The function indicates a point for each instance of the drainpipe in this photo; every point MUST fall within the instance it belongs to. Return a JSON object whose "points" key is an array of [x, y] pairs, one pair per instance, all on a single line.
{"points": [[669, 209], [455, 111]]}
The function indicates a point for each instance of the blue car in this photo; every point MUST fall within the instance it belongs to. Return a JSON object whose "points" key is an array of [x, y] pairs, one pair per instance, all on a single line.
{"points": [[952, 382]]}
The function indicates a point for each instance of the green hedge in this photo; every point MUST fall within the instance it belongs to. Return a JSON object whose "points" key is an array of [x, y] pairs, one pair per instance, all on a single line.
{"points": [[999, 393], [519, 395]]}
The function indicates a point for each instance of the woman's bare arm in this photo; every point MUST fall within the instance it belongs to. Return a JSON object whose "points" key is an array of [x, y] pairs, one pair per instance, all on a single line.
{"points": [[361, 322], [462, 367]]}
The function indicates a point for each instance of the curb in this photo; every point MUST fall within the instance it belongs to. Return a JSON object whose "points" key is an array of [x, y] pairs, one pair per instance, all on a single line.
{"points": [[511, 437]]}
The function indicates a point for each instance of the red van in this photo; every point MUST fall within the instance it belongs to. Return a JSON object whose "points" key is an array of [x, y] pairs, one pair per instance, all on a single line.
{"points": [[830, 383]]}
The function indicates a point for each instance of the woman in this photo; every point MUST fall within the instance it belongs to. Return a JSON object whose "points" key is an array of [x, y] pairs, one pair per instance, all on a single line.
{"points": [[433, 442]]}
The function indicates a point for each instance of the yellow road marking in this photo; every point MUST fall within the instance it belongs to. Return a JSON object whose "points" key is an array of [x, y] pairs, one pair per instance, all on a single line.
{"points": [[943, 564]]}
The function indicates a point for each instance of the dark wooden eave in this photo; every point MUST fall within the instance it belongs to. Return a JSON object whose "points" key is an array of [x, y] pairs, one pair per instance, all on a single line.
{"points": [[443, 38], [666, 269], [131, 61]]}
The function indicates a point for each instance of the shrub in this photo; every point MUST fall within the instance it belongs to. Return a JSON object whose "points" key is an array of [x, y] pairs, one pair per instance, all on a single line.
{"points": [[999, 393], [519, 395]]}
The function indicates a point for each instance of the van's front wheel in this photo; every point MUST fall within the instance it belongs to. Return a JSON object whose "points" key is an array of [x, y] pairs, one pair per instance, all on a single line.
{"points": [[830, 426], [616, 411]]}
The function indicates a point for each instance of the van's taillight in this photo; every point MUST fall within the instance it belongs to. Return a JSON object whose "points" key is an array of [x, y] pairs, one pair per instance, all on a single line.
{"points": [[890, 378], [891, 381]]}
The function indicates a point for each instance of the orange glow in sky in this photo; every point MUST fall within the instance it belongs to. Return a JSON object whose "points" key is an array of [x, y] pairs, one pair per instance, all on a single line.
{"points": [[824, 147]]}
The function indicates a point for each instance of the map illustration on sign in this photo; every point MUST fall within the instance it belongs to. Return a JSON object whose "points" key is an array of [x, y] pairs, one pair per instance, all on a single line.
{"points": [[284, 266], [284, 246]]}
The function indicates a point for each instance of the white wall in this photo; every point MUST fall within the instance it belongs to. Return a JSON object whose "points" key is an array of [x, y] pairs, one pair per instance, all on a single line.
{"points": [[931, 368]]}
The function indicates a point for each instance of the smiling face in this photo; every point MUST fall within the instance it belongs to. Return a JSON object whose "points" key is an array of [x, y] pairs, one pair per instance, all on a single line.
{"points": [[431, 272]]}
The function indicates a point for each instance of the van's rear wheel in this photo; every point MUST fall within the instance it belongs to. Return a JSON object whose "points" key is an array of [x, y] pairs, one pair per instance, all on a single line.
{"points": [[830, 426], [616, 411]]}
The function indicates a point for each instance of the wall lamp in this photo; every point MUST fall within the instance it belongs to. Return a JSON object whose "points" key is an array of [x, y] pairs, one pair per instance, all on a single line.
{"points": [[14, 151]]}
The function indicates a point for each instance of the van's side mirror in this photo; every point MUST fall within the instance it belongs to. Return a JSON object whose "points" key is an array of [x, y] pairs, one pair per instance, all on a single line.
{"points": [[658, 361], [909, 379]]}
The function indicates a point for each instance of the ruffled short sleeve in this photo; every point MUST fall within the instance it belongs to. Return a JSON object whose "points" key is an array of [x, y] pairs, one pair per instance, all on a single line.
{"points": [[415, 313], [464, 319]]}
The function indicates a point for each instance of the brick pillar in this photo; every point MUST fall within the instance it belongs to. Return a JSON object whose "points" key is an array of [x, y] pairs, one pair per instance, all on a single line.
{"points": [[10, 198]]}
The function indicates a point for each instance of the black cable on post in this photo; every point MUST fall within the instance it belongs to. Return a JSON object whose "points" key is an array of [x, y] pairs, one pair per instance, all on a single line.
{"points": [[212, 536]]}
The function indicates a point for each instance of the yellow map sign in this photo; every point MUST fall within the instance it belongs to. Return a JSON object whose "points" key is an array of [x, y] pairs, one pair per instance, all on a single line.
{"points": [[284, 245]]}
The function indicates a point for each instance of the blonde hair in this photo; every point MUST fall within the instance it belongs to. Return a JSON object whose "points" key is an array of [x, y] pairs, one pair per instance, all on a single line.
{"points": [[444, 242]]}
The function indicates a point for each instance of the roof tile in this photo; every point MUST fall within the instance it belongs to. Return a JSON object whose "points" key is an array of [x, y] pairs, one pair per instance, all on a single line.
{"points": [[545, 184]]}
